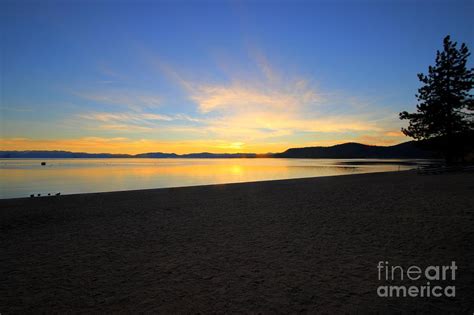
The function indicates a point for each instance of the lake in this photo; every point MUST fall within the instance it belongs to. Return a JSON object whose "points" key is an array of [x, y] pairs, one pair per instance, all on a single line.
{"points": [[22, 177]]}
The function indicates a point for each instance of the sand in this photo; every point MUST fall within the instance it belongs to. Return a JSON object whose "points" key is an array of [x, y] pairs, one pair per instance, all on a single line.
{"points": [[306, 245]]}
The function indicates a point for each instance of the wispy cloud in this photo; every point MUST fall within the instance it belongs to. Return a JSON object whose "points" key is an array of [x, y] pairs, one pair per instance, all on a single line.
{"points": [[124, 117], [134, 100], [129, 121], [108, 72], [15, 109], [241, 97], [269, 105]]}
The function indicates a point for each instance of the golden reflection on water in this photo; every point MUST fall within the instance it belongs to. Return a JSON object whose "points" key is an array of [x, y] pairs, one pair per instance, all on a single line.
{"points": [[20, 178]]}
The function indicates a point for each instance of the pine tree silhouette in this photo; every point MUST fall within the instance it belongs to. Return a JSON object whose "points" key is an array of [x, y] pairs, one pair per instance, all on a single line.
{"points": [[445, 105]]}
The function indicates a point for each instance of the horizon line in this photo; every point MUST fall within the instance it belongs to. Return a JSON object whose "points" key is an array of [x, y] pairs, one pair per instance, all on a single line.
{"points": [[206, 152]]}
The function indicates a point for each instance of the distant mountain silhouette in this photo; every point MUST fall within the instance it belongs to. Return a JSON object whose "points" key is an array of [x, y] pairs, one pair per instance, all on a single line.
{"points": [[156, 155], [58, 154], [207, 155], [407, 150]]}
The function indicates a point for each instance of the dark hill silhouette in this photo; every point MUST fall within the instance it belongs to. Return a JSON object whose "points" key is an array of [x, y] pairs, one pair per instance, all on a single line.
{"points": [[207, 155], [408, 150], [156, 155]]}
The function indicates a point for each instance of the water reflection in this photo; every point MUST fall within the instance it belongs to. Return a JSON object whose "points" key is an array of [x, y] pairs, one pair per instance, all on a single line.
{"points": [[22, 177]]}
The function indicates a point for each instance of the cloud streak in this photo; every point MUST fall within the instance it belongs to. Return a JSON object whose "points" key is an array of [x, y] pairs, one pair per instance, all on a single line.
{"points": [[127, 122], [132, 100], [269, 106]]}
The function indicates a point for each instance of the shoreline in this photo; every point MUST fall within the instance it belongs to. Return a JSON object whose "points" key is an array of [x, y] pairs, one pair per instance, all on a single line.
{"points": [[71, 176], [293, 245], [199, 185]]}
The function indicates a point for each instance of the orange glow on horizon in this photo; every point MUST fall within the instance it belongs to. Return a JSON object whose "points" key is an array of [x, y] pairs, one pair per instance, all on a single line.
{"points": [[129, 146]]}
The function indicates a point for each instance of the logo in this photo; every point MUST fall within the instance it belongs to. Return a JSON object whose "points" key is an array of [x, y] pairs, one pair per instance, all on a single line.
{"points": [[436, 281]]}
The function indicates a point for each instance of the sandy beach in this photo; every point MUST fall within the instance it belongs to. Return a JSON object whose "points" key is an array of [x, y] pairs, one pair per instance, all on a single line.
{"points": [[305, 245]]}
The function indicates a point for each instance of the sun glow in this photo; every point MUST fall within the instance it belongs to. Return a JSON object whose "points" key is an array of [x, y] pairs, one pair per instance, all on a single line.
{"points": [[129, 146]]}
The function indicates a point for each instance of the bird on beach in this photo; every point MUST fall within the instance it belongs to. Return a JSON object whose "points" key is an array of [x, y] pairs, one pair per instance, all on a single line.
{"points": [[32, 196], [58, 194]]}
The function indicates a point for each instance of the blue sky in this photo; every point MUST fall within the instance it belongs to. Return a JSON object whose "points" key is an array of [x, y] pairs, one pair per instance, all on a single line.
{"points": [[234, 76]]}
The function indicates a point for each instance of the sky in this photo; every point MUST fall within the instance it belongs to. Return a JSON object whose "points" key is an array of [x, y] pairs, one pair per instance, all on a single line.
{"points": [[215, 76]]}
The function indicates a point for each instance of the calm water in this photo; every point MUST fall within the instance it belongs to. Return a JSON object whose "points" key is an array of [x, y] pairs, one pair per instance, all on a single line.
{"points": [[22, 177]]}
